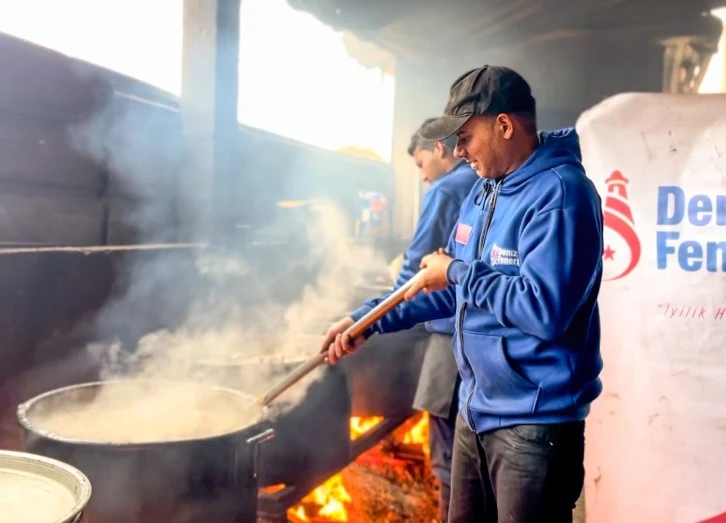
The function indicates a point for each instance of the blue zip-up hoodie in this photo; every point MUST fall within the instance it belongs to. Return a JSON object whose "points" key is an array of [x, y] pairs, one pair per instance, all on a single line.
{"points": [[526, 275], [439, 212]]}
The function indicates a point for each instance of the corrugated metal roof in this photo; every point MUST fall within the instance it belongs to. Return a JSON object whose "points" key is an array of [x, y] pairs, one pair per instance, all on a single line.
{"points": [[431, 30]]}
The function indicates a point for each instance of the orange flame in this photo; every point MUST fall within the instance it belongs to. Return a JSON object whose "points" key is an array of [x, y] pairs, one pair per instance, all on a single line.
{"points": [[330, 497], [361, 425], [298, 513], [272, 489], [328, 501], [419, 434]]}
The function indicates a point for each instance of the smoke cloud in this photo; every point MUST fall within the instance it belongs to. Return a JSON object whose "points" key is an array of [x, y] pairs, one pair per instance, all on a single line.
{"points": [[206, 313]]}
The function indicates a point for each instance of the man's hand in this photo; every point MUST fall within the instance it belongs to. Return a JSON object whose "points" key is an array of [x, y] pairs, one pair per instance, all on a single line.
{"points": [[337, 344], [432, 276]]}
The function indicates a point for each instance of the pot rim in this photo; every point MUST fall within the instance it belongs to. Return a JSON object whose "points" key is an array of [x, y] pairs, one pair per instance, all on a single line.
{"points": [[28, 425]]}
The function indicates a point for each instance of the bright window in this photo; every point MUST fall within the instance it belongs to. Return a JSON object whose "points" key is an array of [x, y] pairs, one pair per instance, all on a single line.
{"points": [[296, 77], [137, 38], [298, 80]]}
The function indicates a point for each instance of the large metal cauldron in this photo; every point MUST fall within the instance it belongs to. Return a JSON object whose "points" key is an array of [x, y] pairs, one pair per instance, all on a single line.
{"points": [[384, 373], [249, 375], [202, 479], [312, 431], [314, 411]]}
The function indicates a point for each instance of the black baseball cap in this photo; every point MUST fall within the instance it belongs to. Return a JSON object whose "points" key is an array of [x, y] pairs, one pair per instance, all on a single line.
{"points": [[487, 90]]}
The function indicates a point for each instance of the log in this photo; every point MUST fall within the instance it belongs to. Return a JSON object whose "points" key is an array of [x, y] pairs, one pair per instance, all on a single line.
{"points": [[388, 498]]}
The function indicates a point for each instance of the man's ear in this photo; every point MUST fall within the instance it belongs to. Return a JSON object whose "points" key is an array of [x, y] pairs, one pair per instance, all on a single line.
{"points": [[439, 150], [505, 124]]}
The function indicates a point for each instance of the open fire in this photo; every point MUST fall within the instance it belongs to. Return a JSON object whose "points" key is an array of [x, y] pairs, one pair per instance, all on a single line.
{"points": [[360, 425], [398, 460], [326, 503]]}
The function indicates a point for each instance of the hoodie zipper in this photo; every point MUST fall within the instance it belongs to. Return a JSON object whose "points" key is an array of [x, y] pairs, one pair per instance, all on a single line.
{"points": [[487, 224], [462, 310], [460, 327]]}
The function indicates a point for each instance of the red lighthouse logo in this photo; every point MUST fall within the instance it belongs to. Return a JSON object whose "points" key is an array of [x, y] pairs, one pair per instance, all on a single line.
{"points": [[721, 518], [622, 246]]}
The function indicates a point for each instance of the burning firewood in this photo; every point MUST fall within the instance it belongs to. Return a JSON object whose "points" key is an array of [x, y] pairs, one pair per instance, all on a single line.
{"points": [[396, 496], [392, 482]]}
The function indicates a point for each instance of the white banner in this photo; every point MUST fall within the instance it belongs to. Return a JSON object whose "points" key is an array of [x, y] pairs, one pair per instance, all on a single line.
{"points": [[656, 438]]}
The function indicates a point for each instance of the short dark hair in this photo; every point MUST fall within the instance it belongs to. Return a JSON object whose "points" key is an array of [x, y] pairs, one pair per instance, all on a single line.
{"points": [[418, 142]]}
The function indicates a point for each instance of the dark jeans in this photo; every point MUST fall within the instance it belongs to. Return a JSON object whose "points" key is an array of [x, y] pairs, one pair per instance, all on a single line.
{"points": [[441, 443], [527, 473]]}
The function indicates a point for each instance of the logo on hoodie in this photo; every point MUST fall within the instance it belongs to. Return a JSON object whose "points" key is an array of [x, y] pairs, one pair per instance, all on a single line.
{"points": [[622, 245], [501, 256]]}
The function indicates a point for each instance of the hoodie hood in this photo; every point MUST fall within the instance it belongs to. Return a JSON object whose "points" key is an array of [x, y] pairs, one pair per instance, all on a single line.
{"points": [[557, 148]]}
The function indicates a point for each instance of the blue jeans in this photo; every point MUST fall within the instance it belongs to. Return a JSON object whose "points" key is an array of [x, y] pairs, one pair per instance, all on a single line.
{"points": [[525, 473], [441, 443]]}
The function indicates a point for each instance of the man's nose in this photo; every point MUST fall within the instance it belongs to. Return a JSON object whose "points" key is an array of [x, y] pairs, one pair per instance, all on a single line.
{"points": [[458, 151]]}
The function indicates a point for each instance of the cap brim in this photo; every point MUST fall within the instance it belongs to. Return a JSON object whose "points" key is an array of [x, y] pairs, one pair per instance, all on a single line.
{"points": [[443, 127]]}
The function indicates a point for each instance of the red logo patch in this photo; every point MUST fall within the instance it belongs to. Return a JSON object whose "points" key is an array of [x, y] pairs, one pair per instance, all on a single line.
{"points": [[462, 233]]}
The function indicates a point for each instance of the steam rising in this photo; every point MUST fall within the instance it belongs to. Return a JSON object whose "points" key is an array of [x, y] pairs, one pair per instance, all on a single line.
{"points": [[205, 314]]}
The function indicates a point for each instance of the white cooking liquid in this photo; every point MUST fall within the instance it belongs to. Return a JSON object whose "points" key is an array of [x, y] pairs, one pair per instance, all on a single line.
{"points": [[131, 413], [26, 498]]}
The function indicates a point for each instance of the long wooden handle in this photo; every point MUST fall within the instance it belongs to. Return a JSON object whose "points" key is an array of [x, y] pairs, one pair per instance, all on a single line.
{"points": [[356, 330]]}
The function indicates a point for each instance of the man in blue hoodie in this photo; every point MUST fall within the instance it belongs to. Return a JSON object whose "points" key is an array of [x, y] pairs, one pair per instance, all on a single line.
{"points": [[449, 181], [521, 272]]}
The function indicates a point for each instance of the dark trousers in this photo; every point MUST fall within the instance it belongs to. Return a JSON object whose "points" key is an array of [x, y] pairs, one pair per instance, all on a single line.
{"points": [[526, 473], [441, 443]]}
